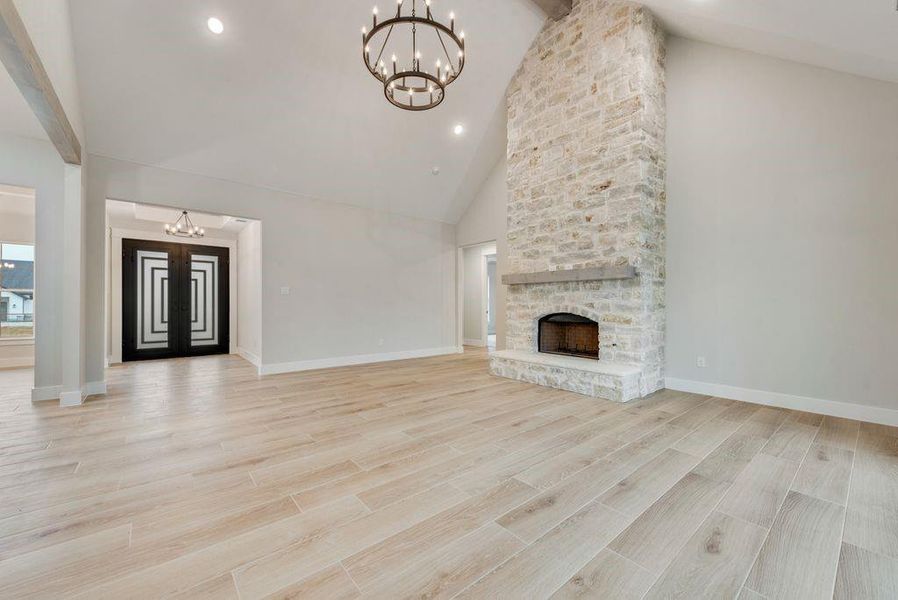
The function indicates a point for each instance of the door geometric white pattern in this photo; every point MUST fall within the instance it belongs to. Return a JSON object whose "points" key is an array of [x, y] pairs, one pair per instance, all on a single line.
{"points": [[203, 300], [152, 300]]}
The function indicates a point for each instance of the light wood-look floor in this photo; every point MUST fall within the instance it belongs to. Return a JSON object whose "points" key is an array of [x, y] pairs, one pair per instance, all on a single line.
{"points": [[431, 479]]}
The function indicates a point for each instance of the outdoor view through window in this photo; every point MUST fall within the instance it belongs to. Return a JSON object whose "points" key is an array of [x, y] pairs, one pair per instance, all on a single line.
{"points": [[16, 290]]}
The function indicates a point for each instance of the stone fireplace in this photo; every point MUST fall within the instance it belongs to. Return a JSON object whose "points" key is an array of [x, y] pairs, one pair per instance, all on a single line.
{"points": [[586, 204]]}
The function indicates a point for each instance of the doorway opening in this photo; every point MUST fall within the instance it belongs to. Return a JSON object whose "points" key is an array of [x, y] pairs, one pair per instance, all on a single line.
{"points": [[491, 288], [478, 295], [17, 277], [170, 296]]}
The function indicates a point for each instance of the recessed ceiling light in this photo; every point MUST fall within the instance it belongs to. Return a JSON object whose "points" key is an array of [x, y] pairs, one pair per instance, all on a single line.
{"points": [[435, 171], [459, 129], [215, 25]]}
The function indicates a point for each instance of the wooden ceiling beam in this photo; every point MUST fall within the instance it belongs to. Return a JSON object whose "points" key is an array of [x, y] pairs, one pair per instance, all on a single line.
{"points": [[556, 9], [18, 54]]}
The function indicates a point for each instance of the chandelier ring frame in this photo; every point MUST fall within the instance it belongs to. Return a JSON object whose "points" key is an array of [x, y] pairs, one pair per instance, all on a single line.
{"points": [[439, 92]]}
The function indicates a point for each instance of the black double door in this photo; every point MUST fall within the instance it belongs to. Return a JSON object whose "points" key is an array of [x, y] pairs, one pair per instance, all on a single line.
{"points": [[174, 300]]}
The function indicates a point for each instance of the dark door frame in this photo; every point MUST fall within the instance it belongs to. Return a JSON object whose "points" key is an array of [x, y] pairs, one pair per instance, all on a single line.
{"points": [[179, 298]]}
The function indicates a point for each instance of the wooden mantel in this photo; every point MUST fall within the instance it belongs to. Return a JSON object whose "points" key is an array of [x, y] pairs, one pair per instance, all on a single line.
{"points": [[589, 274]]}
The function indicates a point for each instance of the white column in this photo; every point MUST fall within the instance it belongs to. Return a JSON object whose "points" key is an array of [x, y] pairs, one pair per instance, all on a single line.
{"points": [[73, 243]]}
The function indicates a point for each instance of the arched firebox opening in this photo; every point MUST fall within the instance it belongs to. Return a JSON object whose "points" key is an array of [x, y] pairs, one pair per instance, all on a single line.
{"points": [[569, 334]]}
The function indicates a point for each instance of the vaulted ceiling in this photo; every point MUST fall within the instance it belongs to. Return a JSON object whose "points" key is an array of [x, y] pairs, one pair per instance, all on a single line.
{"points": [[282, 99], [855, 36]]}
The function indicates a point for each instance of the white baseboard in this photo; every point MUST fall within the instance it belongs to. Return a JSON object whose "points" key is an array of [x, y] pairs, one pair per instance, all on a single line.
{"points": [[94, 388], [17, 363], [360, 359], [42, 394], [73, 398], [474, 343], [858, 412], [251, 358]]}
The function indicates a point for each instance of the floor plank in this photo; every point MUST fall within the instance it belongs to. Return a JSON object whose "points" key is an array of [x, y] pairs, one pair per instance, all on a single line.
{"points": [[655, 537], [636, 492], [608, 575], [332, 583], [713, 563], [825, 473], [544, 566], [872, 519], [760, 489], [451, 569], [865, 575], [799, 557]]}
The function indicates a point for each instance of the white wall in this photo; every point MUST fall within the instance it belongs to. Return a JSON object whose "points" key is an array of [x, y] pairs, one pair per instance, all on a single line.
{"points": [[474, 294], [36, 164], [249, 292], [361, 282], [782, 208], [484, 221], [17, 228]]}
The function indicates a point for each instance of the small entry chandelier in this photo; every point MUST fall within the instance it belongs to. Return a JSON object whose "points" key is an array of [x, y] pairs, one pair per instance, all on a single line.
{"points": [[184, 227], [406, 84]]}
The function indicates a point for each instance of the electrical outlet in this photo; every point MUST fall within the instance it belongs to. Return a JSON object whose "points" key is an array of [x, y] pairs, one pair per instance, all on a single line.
{"points": [[285, 291], [380, 342], [701, 362]]}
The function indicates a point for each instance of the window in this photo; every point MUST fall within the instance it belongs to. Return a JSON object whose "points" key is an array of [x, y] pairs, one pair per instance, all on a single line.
{"points": [[16, 291]]}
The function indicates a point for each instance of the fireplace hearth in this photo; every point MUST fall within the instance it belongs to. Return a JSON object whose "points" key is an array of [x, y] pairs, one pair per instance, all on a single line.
{"points": [[570, 335]]}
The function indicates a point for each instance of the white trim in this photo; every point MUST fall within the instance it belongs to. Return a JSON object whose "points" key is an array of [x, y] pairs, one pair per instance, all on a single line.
{"points": [[484, 295], [18, 362], [833, 408], [460, 296], [74, 398], [115, 283], [10, 341], [359, 359], [94, 388], [479, 343], [42, 394], [248, 356]]}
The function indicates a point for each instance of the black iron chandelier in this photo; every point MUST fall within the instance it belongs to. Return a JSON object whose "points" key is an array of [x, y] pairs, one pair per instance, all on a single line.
{"points": [[184, 227], [406, 84]]}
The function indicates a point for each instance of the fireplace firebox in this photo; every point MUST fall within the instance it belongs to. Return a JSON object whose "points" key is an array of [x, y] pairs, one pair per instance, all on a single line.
{"points": [[569, 334]]}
